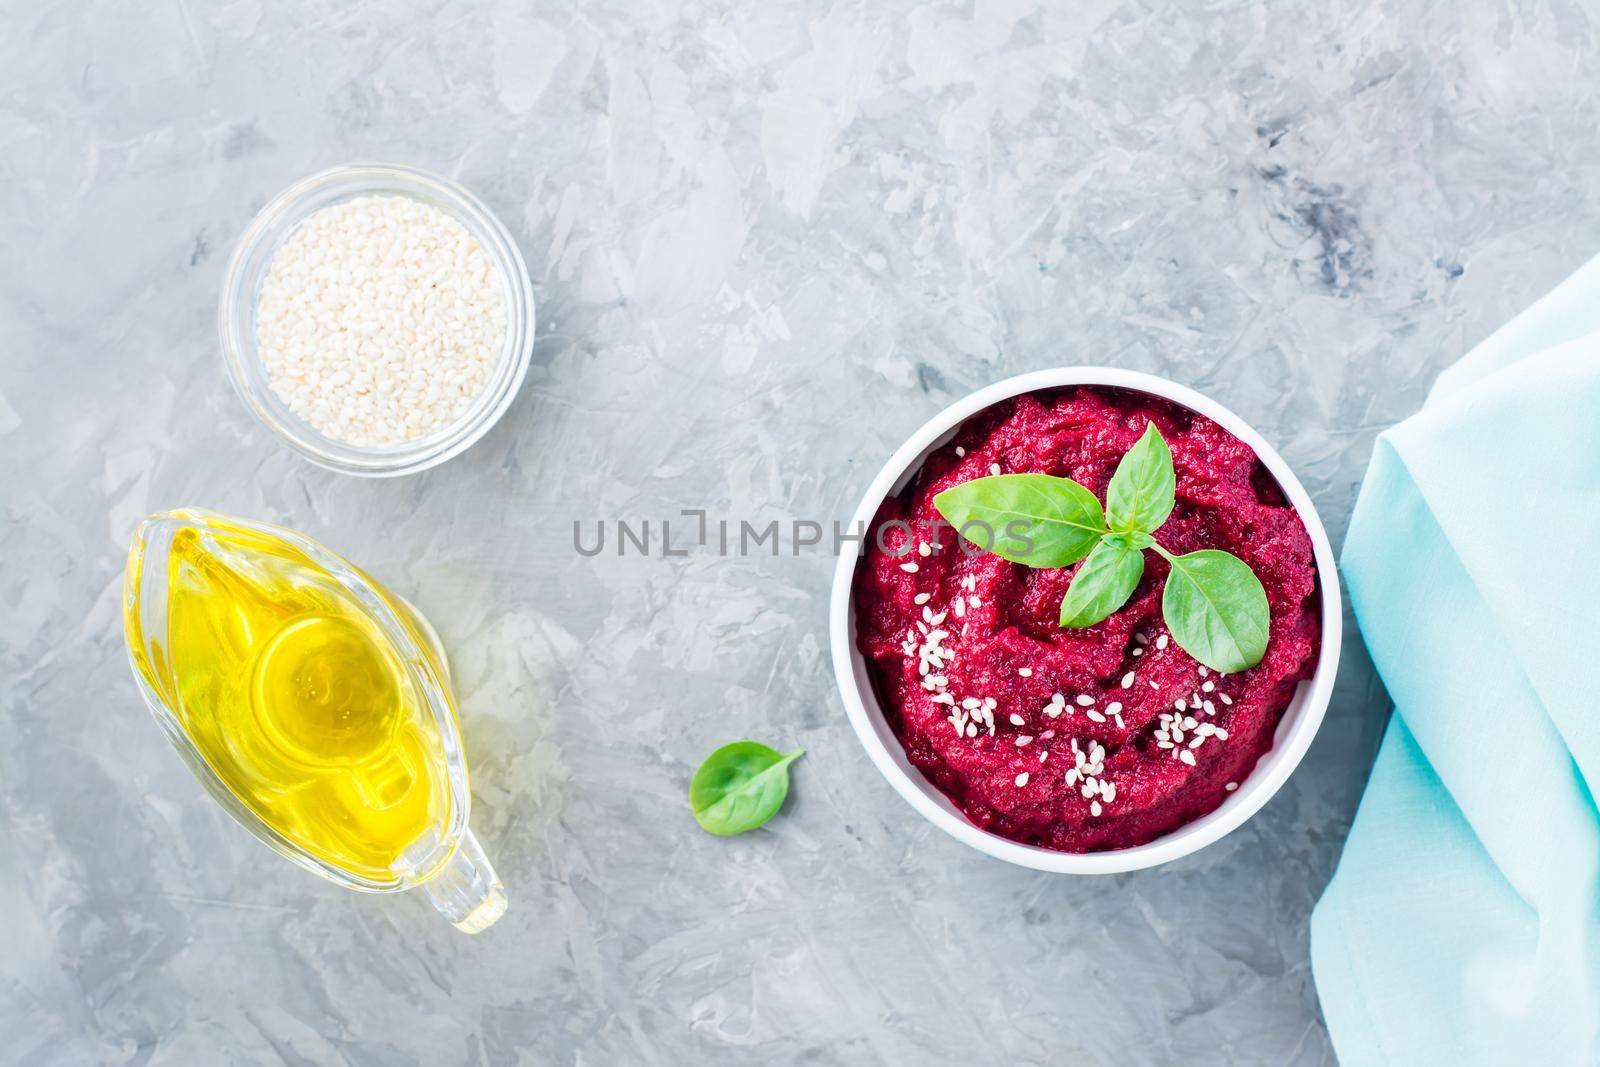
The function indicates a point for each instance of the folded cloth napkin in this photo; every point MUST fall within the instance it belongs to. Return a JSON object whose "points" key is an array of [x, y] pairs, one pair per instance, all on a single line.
{"points": [[1463, 924]]}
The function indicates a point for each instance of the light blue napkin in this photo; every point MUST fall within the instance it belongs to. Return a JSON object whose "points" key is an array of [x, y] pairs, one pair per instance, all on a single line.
{"points": [[1463, 924]]}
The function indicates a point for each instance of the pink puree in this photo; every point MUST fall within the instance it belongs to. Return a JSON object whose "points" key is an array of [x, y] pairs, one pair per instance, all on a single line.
{"points": [[1226, 500]]}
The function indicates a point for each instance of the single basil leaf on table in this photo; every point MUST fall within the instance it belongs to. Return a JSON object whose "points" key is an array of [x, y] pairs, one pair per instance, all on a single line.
{"points": [[1216, 609], [740, 786], [1104, 583], [1063, 520], [1143, 489]]}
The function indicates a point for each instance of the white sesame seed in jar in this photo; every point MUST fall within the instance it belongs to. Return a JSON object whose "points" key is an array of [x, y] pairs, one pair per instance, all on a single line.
{"points": [[380, 320]]}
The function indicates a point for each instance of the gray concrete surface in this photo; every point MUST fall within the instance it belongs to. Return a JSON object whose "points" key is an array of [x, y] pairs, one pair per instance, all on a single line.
{"points": [[768, 240]]}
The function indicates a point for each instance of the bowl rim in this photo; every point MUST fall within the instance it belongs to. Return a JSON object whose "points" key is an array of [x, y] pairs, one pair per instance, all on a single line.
{"points": [[273, 224], [1292, 739]]}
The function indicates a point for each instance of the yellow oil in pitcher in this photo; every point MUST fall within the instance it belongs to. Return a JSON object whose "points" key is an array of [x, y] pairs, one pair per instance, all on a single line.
{"points": [[295, 697]]}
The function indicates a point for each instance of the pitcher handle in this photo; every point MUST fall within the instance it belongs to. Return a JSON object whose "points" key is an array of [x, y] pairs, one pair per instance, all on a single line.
{"points": [[466, 890]]}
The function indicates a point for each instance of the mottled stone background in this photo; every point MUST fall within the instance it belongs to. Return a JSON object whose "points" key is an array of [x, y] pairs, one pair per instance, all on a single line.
{"points": [[768, 240]]}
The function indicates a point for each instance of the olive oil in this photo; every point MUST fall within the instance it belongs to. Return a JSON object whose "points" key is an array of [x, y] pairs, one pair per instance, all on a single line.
{"points": [[295, 696]]}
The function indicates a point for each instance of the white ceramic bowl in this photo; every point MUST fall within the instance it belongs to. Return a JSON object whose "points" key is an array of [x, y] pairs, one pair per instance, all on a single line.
{"points": [[1295, 730]]}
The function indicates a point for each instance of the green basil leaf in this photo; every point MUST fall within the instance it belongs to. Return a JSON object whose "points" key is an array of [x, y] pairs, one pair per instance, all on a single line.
{"points": [[1134, 539], [1103, 584], [1216, 609], [1034, 519], [739, 787], [1142, 491]]}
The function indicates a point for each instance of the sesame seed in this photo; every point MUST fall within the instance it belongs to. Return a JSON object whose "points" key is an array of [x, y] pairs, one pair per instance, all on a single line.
{"points": [[1138, 652], [1113, 707], [1153, 684], [1025, 672], [1203, 671], [1022, 779], [1187, 757], [1231, 786], [909, 568], [1095, 716], [1161, 642], [960, 451], [1085, 700], [994, 468], [924, 549], [1181, 705], [972, 730], [1024, 740], [1127, 680], [1094, 808], [372, 348], [1043, 752], [922, 598], [1225, 698], [1018, 720]]}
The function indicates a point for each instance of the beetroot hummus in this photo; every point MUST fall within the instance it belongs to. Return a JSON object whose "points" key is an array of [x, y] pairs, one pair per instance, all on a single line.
{"points": [[1091, 739]]}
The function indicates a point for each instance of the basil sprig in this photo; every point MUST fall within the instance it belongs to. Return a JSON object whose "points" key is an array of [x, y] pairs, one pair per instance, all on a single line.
{"points": [[1213, 604]]}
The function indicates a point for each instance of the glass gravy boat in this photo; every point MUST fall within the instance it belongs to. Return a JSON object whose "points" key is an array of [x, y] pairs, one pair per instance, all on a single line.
{"points": [[313, 704]]}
